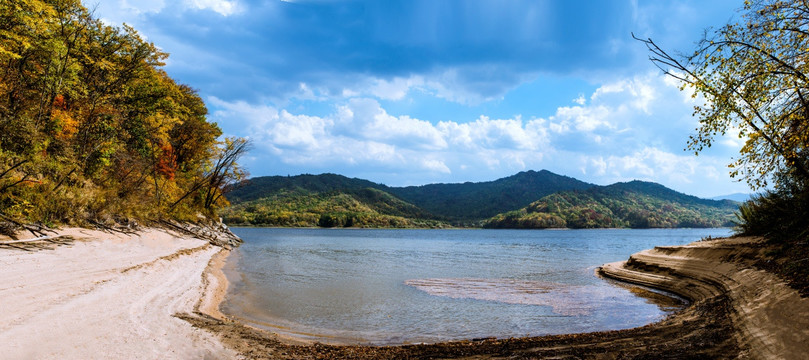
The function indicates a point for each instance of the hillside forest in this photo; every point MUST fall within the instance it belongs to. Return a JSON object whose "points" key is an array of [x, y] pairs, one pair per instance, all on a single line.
{"points": [[93, 129], [528, 200]]}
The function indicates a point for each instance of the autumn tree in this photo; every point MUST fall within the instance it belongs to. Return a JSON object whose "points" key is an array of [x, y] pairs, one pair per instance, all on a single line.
{"points": [[753, 78], [92, 127]]}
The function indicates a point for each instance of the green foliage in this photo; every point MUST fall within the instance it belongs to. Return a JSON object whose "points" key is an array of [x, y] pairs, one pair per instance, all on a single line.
{"points": [[368, 208], [92, 128], [781, 215], [635, 204], [473, 201], [459, 203], [333, 201], [754, 78]]}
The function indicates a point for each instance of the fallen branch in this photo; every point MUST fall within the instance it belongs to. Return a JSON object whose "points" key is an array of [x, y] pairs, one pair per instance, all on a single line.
{"points": [[34, 229], [41, 238]]}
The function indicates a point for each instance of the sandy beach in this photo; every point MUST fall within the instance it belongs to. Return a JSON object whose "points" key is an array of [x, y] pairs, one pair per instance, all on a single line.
{"points": [[156, 295], [107, 296]]}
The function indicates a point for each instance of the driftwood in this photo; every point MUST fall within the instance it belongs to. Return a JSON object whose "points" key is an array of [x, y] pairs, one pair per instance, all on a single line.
{"points": [[37, 242], [41, 238], [118, 229], [34, 229], [218, 235]]}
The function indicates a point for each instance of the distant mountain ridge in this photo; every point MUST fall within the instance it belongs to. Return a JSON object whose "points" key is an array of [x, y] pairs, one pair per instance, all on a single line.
{"points": [[480, 200], [466, 201], [738, 197], [518, 201], [634, 204]]}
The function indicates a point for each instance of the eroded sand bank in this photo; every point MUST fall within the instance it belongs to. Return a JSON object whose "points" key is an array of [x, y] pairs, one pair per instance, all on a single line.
{"points": [[770, 319]]}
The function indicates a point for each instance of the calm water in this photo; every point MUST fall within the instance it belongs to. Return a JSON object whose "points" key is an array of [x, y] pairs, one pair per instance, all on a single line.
{"points": [[404, 286]]}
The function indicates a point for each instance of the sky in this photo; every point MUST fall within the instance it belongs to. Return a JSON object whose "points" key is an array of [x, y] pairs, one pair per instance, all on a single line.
{"points": [[416, 92]]}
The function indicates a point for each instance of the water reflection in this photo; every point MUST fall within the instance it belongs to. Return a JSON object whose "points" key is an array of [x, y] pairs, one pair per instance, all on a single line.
{"points": [[402, 286]]}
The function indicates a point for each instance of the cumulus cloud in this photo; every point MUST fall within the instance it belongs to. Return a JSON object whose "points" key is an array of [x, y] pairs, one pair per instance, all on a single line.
{"points": [[625, 130], [223, 7], [361, 131], [653, 164]]}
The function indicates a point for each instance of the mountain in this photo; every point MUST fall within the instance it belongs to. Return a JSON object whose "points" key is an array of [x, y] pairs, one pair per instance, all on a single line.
{"points": [[528, 199], [451, 202], [472, 201], [265, 186], [738, 197], [298, 207], [634, 204]]}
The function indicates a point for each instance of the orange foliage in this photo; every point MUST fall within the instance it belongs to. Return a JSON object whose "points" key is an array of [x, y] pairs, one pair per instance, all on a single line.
{"points": [[66, 125], [167, 163], [59, 102]]}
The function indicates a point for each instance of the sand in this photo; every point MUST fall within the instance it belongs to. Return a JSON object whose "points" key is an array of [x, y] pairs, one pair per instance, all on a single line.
{"points": [[770, 319], [157, 295], [106, 296]]}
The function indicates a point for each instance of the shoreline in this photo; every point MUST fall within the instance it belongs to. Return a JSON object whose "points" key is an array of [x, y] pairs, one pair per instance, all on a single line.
{"points": [[728, 315], [156, 294]]}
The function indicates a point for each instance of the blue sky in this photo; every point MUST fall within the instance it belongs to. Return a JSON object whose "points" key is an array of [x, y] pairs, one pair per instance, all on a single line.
{"points": [[415, 92]]}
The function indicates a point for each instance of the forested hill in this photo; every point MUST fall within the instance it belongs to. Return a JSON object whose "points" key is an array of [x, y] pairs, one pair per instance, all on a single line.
{"points": [[93, 129], [266, 186], [451, 202], [469, 201], [525, 200], [635, 204]]}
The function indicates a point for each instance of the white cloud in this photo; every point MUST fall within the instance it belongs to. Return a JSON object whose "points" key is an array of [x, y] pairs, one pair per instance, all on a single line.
{"points": [[626, 130], [143, 6], [361, 132], [485, 133], [395, 89], [640, 90], [435, 165], [223, 7], [580, 118], [653, 164], [365, 118], [132, 12], [462, 85]]}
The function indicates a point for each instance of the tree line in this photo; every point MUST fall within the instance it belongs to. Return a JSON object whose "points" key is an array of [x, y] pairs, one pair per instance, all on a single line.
{"points": [[92, 127]]}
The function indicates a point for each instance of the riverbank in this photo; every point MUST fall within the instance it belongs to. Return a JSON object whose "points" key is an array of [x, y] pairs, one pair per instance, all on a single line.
{"points": [[770, 320], [156, 294], [106, 295], [737, 311]]}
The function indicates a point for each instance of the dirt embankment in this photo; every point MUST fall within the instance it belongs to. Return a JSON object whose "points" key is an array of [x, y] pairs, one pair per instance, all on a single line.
{"points": [[736, 311], [770, 320]]}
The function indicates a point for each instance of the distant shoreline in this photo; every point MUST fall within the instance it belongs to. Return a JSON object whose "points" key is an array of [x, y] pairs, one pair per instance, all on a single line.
{"points": [[464, 227]]}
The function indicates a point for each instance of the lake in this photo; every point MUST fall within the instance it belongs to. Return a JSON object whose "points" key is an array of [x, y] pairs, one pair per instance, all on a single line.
{"points": [[370, 286]]}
